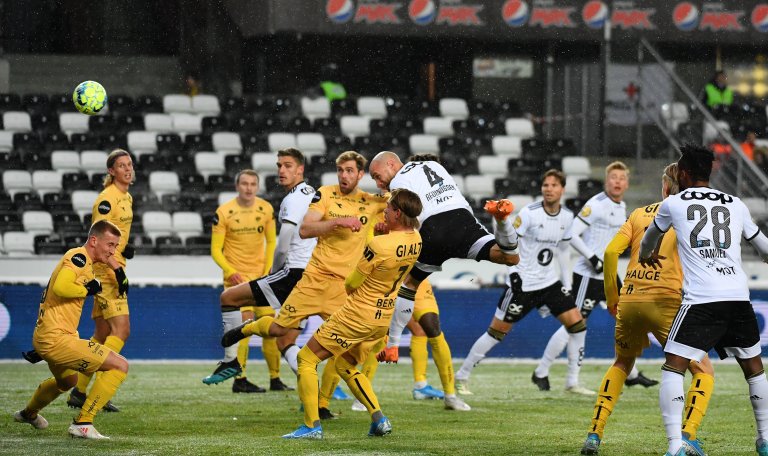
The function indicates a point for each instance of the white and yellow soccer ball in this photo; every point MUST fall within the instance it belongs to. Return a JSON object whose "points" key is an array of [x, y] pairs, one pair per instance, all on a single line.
{"points": [[89, 97]]}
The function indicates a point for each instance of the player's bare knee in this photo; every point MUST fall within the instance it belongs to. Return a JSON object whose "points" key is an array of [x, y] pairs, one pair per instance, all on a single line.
{"points": [[430, 322], [752, 367], [703, 367], [625, 363]]}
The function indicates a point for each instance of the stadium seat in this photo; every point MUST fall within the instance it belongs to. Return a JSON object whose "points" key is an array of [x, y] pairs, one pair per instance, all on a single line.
{"points": [[93, 162], [211, 124], [15, 181], [142, 142], [508, 146], [710, 131], [19, 243], [83, 141], [65, 161], [152, 162], [37, 222], [67, 222], [328, 178], [576, 166], [162, 182], [588, 188], [355, 126], [757, 207], [198, 143], [220, 183], [206, 105], [187, 123], [346, 107], [264, 163], [198, 245], [145, 202], [311, 144], [73, 122], [159, 123], [208, 163], [45, 123], [6, 140], [225, 197], [28, 201], [316, 108], [367, 184], [18, 121], [297, 124], [83, 201], [186, 224], [522, 128], [327, 127], [674, 114], [455, 108], [438, 126], [75, 181], [177, 103], [459, 179], [279, 141], [102, 124], [10, 102], [24, 143], [49, 244], [236, 163], [372, 107], [142, 244], [34, 161], [55, 202], [227, 143], [157, 223], [572, 186], [575, 204], [493, 165], [192, 184], [121, 104], [519, 200], [46, 181], [169, 245], [424, 144], [169, 143], [478, 186], [10, 221]]}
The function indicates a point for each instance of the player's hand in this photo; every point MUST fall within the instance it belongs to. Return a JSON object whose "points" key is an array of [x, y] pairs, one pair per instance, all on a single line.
{"points": [[597, 263], [128, 251], [235, 279], [652, 261], [122, 282], [93, 287], [388, 355], [613, 308], [380, 228], [32, 356], [349, 222]]}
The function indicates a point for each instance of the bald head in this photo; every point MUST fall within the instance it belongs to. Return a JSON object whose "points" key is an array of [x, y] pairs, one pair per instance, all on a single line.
{"points": [[383, 168]]}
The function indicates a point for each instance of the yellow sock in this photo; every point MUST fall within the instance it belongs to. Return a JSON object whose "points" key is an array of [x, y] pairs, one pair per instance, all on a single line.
{"points": [[328, 383], [371, 364], [419, 356], [114, 343], [259, 327], [104, 388], [242, 355], [271, 356], [441, 352], [696, 402], [610, 390], [358, 384], [45, 393], [307, 385]]}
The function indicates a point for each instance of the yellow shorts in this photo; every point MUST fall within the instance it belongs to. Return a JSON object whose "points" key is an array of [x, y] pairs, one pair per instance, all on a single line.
{"points": [[315, 294], [67, 355], [425, 301], [343, 333], [108, 304], [635, 320]]}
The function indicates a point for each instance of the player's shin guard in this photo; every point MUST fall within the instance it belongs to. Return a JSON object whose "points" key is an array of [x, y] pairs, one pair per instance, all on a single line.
{"points": [[259, 327], [577, 334], [441, 352], [45, 393], [328, 383], [358, 384], [307, 385], [479, 349], [290, 354], [671, 403], [696, 402], [608, 396], [104, 388], [419, 357], [758, 395], [242, 355], [231, 318], [403, 313], [555, 346]]}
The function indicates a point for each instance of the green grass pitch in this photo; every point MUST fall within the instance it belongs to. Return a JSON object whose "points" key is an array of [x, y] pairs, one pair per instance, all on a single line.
{"points": [[168, 411]]}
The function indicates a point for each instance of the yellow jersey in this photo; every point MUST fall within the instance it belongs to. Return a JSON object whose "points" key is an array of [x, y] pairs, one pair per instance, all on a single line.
{"points": [[385, 263], [337, 252], [117, 207], [245, 231], [61, 315], [643, 284]]}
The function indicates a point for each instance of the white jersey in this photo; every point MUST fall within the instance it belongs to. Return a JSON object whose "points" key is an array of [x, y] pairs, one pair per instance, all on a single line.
{"points": [[292, 210], [604, 217], [709, 225], [540, 234], [434, 185]]}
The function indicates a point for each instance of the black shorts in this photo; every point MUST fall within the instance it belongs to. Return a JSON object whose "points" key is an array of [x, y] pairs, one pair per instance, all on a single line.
{"points": [[730, 327], [589, 293], [451, 234], [515, 304], [272, 290]]}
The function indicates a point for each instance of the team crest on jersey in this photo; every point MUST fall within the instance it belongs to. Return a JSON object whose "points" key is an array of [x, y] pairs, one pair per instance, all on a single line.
{"points": [[518, 222], [79, 260], [307, 190], [585, 211], [104, 207]]}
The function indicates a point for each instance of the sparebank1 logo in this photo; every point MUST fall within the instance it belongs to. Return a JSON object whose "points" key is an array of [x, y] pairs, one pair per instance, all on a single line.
{"points": [[5, 321]]}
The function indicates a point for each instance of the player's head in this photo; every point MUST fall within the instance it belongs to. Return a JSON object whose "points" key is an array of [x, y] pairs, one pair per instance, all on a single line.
{"points": [[669, 184], [290, 167], [247, 185], [403, 209], [552, 186], [695, 164], [103, 238], [350, 169], [119, 168], [424, 158], [616, 180], [383, 168]]}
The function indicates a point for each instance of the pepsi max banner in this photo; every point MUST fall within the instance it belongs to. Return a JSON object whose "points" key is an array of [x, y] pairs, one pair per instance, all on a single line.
{"points": [[656, 20], [185, 323]]}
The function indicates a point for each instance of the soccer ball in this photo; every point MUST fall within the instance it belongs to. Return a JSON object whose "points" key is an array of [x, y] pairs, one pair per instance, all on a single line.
{"points": [[89, 97]]}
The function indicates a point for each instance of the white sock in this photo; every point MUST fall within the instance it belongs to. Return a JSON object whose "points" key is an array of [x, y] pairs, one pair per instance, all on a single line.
{"points": [[672, 403], [505, 235], [419, 385], [633, 374], [555, 346], [291, 357], [403, 313], [575, 356], [231, 320], [482, 345], [758, 395]]}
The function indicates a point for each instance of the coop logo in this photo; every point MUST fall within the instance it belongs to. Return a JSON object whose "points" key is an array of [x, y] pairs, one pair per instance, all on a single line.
{"points": [[425, 12], [685, 16], [340, 11], [594, 14], [517, 13], [629, 18], [5, 321], [759, 18]]}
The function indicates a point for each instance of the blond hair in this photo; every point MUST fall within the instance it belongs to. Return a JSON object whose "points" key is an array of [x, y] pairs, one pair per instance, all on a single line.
{"points": [[111, 159], [409, 205], [351, 155], [103, 226], [670, 178], [620, 165], [246, 172]]}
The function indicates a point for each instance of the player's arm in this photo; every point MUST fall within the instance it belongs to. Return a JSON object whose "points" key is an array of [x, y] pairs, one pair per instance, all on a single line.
{"points": [[649, 246], [364, 267], [313, 224], [618, 244], [578, 227], [218, 236], [563, 252], [270, 233], [288, 229], [66, 285], [754, 236], [354, 281]]}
